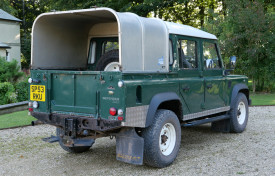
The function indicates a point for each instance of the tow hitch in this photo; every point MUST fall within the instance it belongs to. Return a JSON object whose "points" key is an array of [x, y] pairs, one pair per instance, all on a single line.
{"points": [[68, 136]]}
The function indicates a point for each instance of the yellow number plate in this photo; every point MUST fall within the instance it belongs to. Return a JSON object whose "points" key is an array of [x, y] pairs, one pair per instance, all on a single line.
{"points": [[37, 93]]}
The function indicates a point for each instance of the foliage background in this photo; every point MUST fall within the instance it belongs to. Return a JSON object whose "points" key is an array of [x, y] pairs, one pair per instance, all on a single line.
{"points": [[245, 28]]}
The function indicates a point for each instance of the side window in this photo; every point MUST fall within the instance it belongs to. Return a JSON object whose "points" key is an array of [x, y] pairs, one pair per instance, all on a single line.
{"points": [[92, 51], [171, 59], [187, 53], [210, 56], [108, 46]]}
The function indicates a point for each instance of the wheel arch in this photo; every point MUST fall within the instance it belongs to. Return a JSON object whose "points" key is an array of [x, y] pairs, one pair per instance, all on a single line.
{"points": [[165, 100], [239, 88]]}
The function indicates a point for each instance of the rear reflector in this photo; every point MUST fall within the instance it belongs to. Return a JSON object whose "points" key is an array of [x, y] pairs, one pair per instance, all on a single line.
{"points": [[30, 109]]}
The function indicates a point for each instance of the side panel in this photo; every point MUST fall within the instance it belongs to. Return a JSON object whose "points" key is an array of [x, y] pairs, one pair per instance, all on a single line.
{"points": [[140, 93], [111, 95]]}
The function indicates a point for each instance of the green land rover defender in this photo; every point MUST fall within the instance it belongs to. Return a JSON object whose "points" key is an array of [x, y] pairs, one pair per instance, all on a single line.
{"points": [[98, 73]]}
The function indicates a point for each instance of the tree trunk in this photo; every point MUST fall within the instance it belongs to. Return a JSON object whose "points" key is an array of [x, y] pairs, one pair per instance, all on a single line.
{"points": [[224, 7], [262, 84], [253, 85], [212, 7], [201, 15]]}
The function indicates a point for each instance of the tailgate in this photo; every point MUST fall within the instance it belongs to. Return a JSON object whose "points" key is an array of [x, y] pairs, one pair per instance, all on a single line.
{"points": [[74, 91]]}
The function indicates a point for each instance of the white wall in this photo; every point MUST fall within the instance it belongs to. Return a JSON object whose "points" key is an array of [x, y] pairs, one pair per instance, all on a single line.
{"points": [[10, 35], [3, 52]]}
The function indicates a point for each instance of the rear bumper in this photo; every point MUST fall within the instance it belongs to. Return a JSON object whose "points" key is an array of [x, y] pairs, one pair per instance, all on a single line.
{"points": [[76, 122]]}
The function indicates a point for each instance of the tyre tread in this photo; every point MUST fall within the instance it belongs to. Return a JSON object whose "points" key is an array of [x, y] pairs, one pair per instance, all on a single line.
{"points": [[152, 154]]}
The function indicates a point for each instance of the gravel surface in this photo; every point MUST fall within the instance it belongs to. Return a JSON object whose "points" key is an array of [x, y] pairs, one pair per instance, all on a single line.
{"points": [[202, 152]]}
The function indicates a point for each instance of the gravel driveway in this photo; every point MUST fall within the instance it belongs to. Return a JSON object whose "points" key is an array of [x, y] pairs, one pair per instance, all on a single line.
{"points": [[202, 152]]}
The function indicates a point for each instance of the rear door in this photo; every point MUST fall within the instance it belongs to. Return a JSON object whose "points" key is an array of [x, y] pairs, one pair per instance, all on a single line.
{"points": [[191, 81], [73, 91]]}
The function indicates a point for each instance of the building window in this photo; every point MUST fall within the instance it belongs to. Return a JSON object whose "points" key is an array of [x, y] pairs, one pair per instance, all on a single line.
{"points": [[7, 56]]}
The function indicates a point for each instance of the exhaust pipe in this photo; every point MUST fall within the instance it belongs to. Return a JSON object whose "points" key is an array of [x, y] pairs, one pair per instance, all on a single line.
{"points": [[37, 122]]}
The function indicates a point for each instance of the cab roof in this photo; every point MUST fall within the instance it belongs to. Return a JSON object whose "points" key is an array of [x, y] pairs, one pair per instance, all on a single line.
{"points": [[180, 29]]}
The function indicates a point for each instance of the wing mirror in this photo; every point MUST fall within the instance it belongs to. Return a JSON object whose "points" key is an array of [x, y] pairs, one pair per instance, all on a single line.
{"points": [[233, 61], [232, 65]]}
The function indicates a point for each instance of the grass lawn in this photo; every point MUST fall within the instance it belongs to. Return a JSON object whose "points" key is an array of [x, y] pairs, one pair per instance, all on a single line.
{"points": [[262, 99], [15, 119]]}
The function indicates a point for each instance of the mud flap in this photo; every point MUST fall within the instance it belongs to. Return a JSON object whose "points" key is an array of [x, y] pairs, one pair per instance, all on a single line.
{"points": [[129, 147]]}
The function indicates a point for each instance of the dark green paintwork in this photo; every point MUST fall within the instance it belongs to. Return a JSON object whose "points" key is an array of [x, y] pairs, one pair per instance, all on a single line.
{"points": [[87, 93]]}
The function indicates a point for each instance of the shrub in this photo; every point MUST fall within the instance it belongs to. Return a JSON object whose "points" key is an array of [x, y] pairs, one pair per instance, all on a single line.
{"points": [[21, 89], [7, 93], [9, 71]]}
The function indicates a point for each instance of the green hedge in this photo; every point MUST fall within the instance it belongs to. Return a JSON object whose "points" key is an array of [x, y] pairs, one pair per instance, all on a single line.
{"points": [[7, 93], [13, 88], [10, 93], [9, 71], [21, 89]]}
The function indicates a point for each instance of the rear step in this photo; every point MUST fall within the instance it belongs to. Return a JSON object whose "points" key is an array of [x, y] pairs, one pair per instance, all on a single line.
{"points": [[207, 120]]}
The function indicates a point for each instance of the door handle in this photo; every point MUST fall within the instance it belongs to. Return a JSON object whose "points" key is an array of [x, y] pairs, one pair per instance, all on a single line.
{"points": [[186, 88], [209, 86]]}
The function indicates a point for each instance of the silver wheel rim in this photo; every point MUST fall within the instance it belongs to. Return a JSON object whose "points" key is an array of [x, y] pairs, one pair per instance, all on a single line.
{"points": [[241, 114], [167, 139], [113, 66]]}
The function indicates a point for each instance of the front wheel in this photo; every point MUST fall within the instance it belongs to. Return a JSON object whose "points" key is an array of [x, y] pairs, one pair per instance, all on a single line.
{"points": [[239, 114], [162, 139]]}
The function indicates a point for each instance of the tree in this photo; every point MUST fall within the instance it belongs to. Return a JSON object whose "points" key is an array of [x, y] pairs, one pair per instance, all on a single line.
{"points": [[248, 32], [245, 28], [7, 6]]}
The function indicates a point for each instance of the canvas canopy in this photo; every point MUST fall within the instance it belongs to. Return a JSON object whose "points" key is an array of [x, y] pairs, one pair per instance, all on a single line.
{"points": [[60, 40]]}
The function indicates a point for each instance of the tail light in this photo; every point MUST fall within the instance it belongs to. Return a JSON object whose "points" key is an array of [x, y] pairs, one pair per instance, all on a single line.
{"points": [[30, 109], [120, 118], [112, 111]]}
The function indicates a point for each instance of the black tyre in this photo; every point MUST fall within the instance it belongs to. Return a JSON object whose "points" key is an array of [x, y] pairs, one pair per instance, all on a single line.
{"points": [[70, 149], [239, 114], [162, 139], [107, 58]]}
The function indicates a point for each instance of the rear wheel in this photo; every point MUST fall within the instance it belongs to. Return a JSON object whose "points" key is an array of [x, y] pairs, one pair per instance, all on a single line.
{"points": [[162, 139], [59, 131], [239, 114]]}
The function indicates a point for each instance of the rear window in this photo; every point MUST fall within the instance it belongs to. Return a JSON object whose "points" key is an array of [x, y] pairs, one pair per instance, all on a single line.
{"points": [[108, 46]]}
